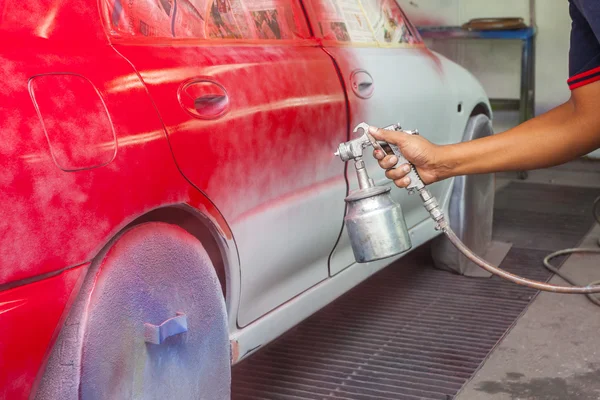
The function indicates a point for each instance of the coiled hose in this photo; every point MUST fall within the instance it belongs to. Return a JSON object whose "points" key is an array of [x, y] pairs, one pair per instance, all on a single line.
{"points": [[432, 206], [594, 299]]}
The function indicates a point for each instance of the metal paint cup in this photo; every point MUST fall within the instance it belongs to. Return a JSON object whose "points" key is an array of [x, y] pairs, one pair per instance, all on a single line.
{"points": [[376, 225]]}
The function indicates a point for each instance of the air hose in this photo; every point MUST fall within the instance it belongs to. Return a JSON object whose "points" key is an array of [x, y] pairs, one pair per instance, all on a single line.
{"points": [[371, 198], [564, 276], [436, 214]]}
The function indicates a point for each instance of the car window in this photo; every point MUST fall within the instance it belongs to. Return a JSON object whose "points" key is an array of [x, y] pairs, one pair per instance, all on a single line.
{"points": [[218, 19], [141, 18], [380, 22]]}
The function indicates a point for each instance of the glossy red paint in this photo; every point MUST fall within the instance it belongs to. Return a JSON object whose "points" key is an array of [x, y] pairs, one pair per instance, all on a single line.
{"points": [[56, 218], [29, 316], [285, 102], [51, 219]]}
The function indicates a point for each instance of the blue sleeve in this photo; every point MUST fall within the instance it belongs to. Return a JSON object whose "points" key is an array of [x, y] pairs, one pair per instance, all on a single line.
{"points": [[584, 54]]}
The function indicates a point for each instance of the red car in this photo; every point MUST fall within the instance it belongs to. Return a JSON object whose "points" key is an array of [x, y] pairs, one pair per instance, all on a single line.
{"points": [[170, 202]]}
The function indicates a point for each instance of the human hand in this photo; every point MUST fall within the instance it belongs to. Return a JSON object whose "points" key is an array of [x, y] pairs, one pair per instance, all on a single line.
{"points": [[416, 149]]}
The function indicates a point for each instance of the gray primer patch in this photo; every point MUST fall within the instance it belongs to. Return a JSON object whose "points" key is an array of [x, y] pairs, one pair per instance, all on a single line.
{"points": [[584, 386]]}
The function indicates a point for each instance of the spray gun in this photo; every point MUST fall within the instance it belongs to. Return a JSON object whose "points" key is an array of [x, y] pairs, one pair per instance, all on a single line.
{"points": [[375, 222], [376, 225]]}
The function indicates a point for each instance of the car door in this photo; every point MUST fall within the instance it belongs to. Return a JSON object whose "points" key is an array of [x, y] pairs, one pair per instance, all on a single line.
{"points": [[253, 109], [390, 77]]}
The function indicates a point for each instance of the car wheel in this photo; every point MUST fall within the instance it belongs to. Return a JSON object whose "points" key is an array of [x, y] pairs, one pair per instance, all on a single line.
{"points": [[149, 323], [470, 212]]}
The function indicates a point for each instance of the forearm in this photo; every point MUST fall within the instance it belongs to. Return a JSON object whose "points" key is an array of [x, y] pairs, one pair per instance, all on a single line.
{"points": [[560, 135]]}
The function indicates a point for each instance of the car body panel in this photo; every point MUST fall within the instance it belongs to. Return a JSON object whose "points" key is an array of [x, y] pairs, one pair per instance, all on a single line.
{"points": [[30, 316], [276, 210], [403, 83], [425, 84], [266, 162], [257, 335], [52, 219], [418, 84]]}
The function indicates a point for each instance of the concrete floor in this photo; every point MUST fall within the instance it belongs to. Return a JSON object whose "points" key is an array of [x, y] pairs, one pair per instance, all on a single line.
{"points": [[553, 350]]}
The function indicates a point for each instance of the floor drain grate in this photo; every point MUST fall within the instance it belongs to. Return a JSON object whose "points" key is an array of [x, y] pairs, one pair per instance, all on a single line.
{"points": [[413, 332]]}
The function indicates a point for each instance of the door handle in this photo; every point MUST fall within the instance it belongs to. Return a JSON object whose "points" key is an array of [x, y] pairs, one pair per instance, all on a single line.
{"points": [[210, 100], [362, 86], [362, 83], [203, 98], [211, 104]]}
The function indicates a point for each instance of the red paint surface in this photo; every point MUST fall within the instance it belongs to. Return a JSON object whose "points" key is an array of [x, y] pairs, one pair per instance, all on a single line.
{"points": [[285, 103], [29, 317], [51, 219]]}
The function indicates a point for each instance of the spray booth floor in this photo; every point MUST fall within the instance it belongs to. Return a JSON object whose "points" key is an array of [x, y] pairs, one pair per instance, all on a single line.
{"points": [[414, 332]]}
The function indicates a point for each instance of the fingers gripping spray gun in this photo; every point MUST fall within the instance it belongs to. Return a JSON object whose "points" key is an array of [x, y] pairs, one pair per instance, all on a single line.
{"points": [[375, 222], [376, 225]]}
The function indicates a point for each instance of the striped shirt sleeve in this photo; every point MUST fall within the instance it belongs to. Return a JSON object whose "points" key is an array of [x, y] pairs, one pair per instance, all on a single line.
{"points": [[584, 53]]}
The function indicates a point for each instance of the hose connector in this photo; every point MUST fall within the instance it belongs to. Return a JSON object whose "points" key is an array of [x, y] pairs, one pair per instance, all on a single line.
{"points": [[431, 205]]}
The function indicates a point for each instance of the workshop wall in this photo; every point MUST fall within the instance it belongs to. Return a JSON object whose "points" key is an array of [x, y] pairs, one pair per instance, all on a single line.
{"points": [[497, 64]]}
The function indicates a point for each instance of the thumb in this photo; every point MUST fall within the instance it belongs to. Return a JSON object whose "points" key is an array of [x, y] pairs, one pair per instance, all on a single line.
{"points": [[393, 137]]}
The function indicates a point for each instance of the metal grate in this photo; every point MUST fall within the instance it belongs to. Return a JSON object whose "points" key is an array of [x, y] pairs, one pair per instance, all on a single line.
{"points": [[414, 332]]}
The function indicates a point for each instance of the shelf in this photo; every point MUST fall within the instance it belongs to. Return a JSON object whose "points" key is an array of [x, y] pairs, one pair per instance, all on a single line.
{"points": [[456, 32]]}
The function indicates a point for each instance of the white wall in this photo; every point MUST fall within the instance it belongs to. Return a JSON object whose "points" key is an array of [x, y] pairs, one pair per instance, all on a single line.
{"points": [[497, 63]]}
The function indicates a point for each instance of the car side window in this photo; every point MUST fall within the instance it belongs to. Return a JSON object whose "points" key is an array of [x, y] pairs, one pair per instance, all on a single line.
{"points": [[380, 22], [201, 19], [255, 19], [141, 17]]}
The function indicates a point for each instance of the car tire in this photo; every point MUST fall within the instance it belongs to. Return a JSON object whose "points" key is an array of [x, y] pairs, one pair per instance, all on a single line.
{"points": [[470, 212], [151, 273]]}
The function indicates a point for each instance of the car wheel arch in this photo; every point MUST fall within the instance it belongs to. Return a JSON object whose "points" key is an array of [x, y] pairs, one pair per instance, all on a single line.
{"points": [[199, 226], [156, 222], [480, 108]]}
